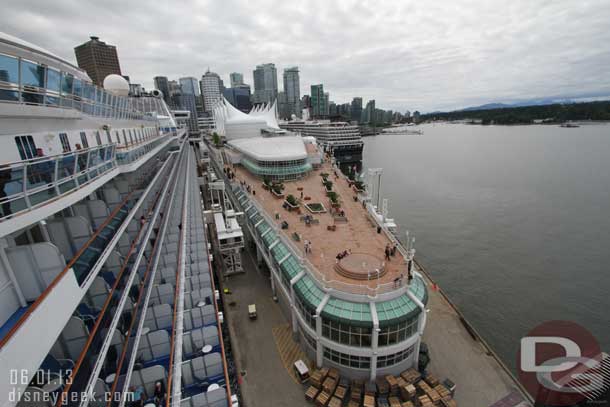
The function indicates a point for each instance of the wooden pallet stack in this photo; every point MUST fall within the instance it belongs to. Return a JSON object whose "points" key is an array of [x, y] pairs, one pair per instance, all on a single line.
{"points": [[425, 388], [356, 391], [335, 402], [408, 392], [341, 392], [392, 384], [407, 404], [311, 393], [394, 401], [383, 388], [431, 380], [424, 401], [329, 385], [411, 376], [322, 399], [369, 401]]}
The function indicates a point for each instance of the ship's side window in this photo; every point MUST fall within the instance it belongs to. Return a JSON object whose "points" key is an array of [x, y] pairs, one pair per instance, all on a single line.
{"points": [[65, 143], [130, 137], [26, 147], [98, 139], [118, 139], [83, 139], [108, 137]]}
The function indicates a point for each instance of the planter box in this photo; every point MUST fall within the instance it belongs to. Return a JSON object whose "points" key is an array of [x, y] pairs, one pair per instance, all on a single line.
{"points": [[315, 207], [279, 196], [266, 187], [327, 189], [290, 207]]}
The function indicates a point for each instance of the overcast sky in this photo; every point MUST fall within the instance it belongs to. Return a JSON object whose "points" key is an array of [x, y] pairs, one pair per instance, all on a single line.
{"points": [[425, 55]]}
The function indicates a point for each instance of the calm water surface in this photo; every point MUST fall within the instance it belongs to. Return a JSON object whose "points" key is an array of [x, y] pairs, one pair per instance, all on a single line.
{"points": [[512, 221]]}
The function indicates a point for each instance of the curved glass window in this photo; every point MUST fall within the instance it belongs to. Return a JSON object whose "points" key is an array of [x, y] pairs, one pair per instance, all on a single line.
{"points": [[346, 334], [9, 69], [53, 80], [77, 87], [66, 83], [391, 360], [358, 362], [32, 74], [398, 332]]}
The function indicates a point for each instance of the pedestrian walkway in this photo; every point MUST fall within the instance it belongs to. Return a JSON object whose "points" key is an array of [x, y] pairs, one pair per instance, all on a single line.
{"points": [[289, 350]]}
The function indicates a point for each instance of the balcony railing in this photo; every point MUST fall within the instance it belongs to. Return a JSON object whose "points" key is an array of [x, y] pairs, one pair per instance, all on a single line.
{"points": [[25, 185], [127, 156]]}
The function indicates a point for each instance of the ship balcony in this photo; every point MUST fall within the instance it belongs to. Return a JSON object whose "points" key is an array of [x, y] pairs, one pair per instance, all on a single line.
{"points": [[81, 286], [32, 184], [132, 157]]}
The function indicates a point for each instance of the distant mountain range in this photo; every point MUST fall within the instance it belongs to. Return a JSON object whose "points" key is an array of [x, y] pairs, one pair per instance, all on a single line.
{"points": [[535, 102]]}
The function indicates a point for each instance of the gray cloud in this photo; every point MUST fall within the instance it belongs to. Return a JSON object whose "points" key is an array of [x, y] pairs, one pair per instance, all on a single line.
{"points": [[405, 54]]}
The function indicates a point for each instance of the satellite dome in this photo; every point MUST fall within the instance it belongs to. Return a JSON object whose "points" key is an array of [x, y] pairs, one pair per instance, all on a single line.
{"points": [[117, 85]]}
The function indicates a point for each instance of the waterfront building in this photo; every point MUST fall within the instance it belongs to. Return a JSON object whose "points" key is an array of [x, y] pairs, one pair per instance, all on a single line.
{"points": [[162, 84], [211, 89], [416, 115], [106, 277], [356, 112], [368, 114], [332, 109], [98, 59], [239, 97], [292, 89], [355, 313], [236, 79], [319, 102], [175, 94], [190, 86], [265, 83]]}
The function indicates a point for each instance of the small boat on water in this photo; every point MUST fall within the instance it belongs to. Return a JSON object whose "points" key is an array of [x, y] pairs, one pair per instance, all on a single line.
{"points": [[569, 125]]}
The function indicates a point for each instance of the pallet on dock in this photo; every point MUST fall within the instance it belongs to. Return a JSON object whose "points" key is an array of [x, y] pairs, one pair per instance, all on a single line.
{"points": [[432, 380], [353, 403], [382, 401], [340, 392], [382, 386], [408, 392], [424, 401], [392, 384], [369, 401], [334, 373], [329, 385], [394, 401], [448, 403], [335, 402], [425, 388], [411, 375], [356, 395], [316, 378], [401, 382], [322, 399], [311, 393], [442, 391], [407, 404]]}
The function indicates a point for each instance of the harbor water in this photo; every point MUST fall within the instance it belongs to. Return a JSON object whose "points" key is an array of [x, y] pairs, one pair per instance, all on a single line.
{"points": [[513, 222]]}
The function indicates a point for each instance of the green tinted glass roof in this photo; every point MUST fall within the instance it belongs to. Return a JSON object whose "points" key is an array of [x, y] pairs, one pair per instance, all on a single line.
{"points": [[308, 292], [290, 267], [270, 237], [250, 211], [352, 313], [279, 251], [418, 288], [396, 310], [256, 218], [262, 227]]}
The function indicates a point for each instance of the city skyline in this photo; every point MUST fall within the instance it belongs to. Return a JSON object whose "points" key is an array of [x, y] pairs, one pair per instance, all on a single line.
{"points": [[440, 56]]}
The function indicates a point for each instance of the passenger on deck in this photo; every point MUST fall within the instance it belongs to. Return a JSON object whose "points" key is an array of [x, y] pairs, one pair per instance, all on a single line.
{"points": [[138, 396], [387, 252], [159, 394]]}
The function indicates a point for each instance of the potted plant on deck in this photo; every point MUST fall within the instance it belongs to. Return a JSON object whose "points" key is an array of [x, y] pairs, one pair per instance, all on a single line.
{"points": [[291, 203], [334, 199], [277, 190]]}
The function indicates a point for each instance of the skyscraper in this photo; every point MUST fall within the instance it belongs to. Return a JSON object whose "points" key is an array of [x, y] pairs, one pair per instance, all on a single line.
{"points": [[236, 79], [292, 89], [162, 84], [211, 88], [356, 109], [319, 102], [265, 83], [190, 86], [368, 114], [98, 59], [239, 97]]}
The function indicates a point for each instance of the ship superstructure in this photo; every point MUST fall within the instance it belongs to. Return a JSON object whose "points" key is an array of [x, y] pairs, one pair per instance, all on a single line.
{"points": [[341, 139], [105, 274]]}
